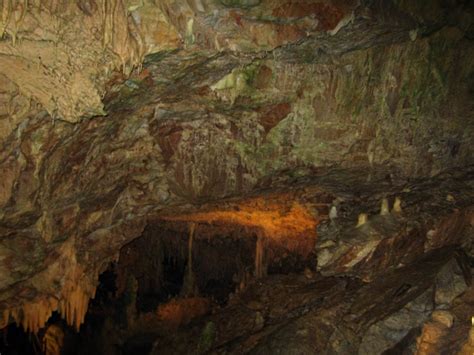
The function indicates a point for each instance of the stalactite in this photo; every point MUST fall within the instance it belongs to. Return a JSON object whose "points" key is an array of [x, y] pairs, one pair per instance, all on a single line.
{"points": [[259, 257], [6, 14], [72, 303], [73, 307], [19, 17], [192, 227], [35, 315], [4, 319], [77, 301], [32, 316], [189, 288], [121, 34]]}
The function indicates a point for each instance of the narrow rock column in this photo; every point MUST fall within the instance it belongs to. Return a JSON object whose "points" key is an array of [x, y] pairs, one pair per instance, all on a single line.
{"points": [[189, 288], [259, 257]]}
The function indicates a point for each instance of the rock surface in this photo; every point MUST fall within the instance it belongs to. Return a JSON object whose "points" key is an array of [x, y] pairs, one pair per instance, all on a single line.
{"points": [[115, 115]]}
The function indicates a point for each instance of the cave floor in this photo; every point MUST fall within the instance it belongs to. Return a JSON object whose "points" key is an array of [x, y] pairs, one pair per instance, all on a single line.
{"points": [[308, 314]]}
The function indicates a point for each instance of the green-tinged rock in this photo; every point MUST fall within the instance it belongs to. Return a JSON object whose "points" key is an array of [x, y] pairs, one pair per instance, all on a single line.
{"points": [[208, 337]]}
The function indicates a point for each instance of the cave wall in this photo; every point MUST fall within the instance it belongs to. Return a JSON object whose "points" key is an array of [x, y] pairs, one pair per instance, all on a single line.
{"points": [[403, 106], [233, 96]]}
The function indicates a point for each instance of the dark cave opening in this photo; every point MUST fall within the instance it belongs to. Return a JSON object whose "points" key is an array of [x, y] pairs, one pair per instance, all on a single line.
{"points": [[151, 283], [149, 289], [223, 261], [15, 341]]}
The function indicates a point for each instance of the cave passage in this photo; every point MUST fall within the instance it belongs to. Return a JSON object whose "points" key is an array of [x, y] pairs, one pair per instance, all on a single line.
{"points": [[204, 280]]}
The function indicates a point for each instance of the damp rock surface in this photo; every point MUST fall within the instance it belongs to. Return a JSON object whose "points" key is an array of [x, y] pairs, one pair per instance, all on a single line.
{"points": [[331, 139]]}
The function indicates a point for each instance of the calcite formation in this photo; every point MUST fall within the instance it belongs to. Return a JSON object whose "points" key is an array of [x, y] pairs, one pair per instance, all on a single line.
{"points": [[278, 218], [120, 114], [53, 340], [72, 302], [61, 53]]}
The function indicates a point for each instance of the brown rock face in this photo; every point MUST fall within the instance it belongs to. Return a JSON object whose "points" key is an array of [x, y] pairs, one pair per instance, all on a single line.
{"points": [[275, 124], [272, 115], [329, 15]]}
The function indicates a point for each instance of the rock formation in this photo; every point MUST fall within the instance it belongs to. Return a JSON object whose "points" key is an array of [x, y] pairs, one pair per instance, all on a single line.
{"points": [[269, 128]]}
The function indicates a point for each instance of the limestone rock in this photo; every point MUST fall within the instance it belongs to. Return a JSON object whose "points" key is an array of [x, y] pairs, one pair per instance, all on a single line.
{"points": [[115, 114]]}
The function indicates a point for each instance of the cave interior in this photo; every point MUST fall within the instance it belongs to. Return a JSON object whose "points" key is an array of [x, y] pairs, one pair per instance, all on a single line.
{"points": [[236, 177]]}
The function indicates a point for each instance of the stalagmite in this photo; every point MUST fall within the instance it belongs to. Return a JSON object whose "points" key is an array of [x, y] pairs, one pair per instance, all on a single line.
{"points": [[333, 213], [397, 205], [384, 210], [363, 217], [53, 340]]}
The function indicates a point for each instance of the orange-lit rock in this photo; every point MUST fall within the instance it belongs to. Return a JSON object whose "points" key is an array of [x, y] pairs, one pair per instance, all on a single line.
{"points": [[276, 221], [281, 225], [181, 311], [286, 223], [70, 300], [53, 340]]}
